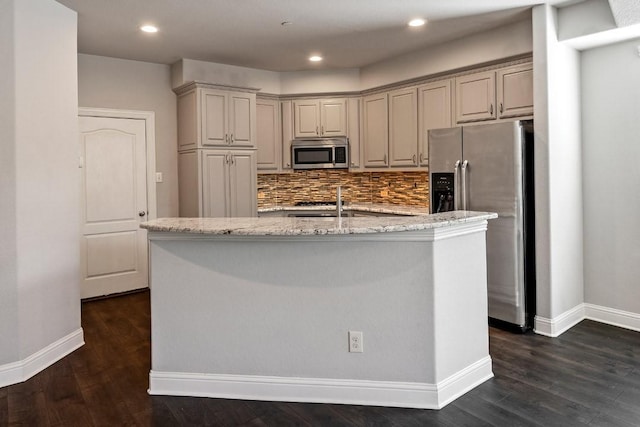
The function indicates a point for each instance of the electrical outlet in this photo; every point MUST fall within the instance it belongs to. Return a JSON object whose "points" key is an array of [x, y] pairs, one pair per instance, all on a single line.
{"points": [[159, 177], [355, 342]]}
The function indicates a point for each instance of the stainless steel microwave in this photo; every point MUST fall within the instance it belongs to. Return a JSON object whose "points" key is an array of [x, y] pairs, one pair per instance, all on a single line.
{"points": [[320, 153]]}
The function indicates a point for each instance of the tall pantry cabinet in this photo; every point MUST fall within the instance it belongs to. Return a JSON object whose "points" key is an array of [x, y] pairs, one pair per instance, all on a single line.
{"points": [[217, 160]]}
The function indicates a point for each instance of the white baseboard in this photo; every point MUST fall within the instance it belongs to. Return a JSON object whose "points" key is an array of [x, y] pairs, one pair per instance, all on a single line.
{"points": [[612, 316], [321, 390], [17, 372], [559, 325]]}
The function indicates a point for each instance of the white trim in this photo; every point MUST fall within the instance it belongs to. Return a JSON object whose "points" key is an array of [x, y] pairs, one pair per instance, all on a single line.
{"points": [[17, 372], [560, 324], [612, 316], [150, 132], [463, 381], [322, 390]]}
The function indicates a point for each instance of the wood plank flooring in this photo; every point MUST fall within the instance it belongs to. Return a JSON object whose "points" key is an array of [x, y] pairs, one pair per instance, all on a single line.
{"points": [[590, 376]]}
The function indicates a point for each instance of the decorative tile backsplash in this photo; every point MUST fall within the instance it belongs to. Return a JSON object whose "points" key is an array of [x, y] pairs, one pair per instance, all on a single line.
{"points": [[405, 188]]}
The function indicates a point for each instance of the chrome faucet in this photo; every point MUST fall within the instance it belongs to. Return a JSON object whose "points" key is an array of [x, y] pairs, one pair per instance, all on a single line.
{"points": [[339, 201]]}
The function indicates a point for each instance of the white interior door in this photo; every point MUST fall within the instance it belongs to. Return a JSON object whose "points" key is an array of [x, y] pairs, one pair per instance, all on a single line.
{"points": [[114, 203]]}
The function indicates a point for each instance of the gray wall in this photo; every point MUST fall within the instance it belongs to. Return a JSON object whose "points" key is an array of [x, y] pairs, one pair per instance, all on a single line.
{"points": [[558, 172], [133, 85], [611, 153], [492, 45], [8, 268], [39, 269]]}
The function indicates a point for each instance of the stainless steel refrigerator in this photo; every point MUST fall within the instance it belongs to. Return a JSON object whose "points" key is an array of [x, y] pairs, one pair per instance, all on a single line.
{"points": [[489, 167]]}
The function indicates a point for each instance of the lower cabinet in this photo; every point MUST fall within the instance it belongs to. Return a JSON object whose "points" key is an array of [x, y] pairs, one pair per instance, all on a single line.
{"points": [[218, 183]]}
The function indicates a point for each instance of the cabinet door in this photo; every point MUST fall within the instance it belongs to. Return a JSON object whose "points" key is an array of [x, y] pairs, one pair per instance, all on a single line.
{"points": [[476, 97], [242, 121], [189, 184], [243, 184], [215, 183], [287, 133], [307, 118], [214, 117], [515, 91], [434, 112], [353, 131], [268, 134], [403, 127], [187, 121], [333, 117], [376, 130]]}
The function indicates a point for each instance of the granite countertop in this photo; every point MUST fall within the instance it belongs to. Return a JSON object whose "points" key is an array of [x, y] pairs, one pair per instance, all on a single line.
{"points": [[384, 208], [277, 226]]}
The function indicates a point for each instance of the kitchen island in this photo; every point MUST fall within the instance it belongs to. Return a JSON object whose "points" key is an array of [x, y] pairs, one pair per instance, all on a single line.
{"points": [[262, 308]]}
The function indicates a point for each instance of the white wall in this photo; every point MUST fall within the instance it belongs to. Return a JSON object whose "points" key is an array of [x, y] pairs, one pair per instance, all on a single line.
{"points": [[611, 138], [558, 171], [133, 85], [40, 271], [493, 45]]}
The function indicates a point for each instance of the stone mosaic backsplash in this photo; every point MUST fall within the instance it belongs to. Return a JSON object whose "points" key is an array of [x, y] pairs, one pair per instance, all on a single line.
{"points": [[317, 185]]}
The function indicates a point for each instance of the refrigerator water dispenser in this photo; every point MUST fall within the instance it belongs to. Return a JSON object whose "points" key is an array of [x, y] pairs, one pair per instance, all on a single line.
{"points": [[442, 192]]}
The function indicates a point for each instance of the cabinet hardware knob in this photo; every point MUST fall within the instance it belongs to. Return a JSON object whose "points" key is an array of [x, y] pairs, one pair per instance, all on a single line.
{"points": [[231, 158], [322, 130], [317, 131], [414, 159], [385, 159], [232, 138], [142, 213], [491, 110], [421, 157], [501, 109]]}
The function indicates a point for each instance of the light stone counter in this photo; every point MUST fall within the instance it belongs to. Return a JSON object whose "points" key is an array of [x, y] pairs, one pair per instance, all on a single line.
{"points": [[277, 226], [261, 308]]}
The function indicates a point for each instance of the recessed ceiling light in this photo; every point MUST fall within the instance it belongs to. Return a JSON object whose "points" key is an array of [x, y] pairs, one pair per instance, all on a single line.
{"points": [[149, 29], [417, 22], [315, 58]]}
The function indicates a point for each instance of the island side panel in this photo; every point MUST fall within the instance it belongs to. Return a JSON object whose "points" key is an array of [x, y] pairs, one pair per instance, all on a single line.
{"points": [[460, 314], [284, 308]]}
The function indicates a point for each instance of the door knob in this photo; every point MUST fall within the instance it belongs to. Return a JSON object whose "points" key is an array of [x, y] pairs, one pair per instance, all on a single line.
{"points": [[142, 213]]}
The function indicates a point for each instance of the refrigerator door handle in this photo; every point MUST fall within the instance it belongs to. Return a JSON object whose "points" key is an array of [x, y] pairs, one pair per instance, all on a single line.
{"points": [[456, 186], [464, 184]]}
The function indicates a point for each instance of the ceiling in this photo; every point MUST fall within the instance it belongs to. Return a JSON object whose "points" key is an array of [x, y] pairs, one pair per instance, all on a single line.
{"points": [[347, 33]]}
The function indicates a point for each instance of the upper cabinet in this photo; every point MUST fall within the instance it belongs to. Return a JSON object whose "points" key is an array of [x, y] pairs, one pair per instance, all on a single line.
{"points": [[286, 109], [403, 127], [375, 128], [476, 97], [434, 112], [353, 131], [320, 117], [502, 94], [515, 91], [268, 134], [209, 117]]}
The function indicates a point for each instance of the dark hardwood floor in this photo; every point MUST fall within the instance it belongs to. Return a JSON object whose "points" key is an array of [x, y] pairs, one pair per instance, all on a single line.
{"points": [[588, 376]]}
